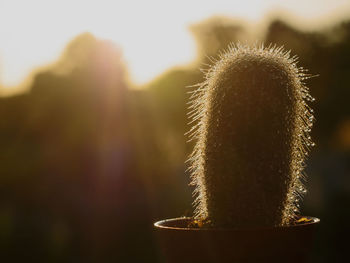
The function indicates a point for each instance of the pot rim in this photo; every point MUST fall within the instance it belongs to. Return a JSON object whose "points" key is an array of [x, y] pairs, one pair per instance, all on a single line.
{"points": [[164, 224]]}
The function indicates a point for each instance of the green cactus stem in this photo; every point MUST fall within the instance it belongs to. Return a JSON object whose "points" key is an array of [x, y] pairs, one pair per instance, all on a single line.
{"points": [[251, 126]]}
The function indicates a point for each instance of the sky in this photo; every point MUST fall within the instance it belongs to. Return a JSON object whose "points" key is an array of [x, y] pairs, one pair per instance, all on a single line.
{"points": [[153, 34]]}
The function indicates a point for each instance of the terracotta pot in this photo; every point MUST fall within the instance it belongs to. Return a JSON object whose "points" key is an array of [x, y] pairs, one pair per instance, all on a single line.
{"points": [[179, 243]]}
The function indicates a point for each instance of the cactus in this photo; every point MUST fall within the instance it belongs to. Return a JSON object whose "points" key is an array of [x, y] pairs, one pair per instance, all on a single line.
{"points": [[251, 127]]}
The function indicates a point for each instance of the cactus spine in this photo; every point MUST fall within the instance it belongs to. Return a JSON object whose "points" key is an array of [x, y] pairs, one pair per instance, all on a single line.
{"points": [[251, 126]]}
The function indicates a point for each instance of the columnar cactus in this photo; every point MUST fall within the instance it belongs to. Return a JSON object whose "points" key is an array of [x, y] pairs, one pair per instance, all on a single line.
{"points": [[251, 126]]}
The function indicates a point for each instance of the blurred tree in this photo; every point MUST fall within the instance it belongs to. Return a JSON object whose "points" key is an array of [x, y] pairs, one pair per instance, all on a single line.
{"points": [[215, 34], [68, 170]]}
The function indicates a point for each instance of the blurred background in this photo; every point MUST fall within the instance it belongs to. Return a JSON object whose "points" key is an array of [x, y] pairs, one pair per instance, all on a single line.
{"points": [[93, 117]]}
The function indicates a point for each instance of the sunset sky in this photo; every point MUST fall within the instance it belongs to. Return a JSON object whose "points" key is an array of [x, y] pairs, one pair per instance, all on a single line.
{"points": [[153, 34]]}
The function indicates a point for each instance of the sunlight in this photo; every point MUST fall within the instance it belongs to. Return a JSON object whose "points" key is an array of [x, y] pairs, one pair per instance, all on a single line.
{"points": [[152, 34]]}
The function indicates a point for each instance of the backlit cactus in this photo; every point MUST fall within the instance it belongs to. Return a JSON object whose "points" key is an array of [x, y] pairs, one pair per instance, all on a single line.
{"points": [[251, 126]]}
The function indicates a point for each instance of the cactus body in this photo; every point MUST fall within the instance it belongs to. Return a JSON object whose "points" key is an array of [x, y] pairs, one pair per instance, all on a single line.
{"points": [[251, 131]]}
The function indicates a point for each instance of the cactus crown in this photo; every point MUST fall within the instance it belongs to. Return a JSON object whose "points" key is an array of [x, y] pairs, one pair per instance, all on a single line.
{"points": [[251, 126]]}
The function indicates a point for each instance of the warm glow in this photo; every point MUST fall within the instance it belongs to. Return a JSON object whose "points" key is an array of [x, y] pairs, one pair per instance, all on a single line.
{"points": [[153, 34]]}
